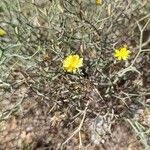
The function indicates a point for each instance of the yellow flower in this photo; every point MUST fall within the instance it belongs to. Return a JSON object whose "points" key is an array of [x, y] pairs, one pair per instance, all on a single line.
{"points": [[98, 2], [72, 62], [2, 32], [122, 53]]}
